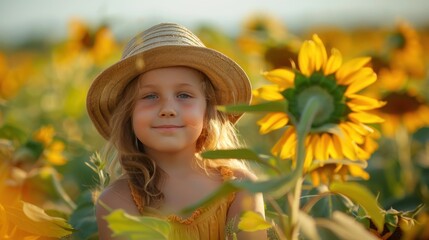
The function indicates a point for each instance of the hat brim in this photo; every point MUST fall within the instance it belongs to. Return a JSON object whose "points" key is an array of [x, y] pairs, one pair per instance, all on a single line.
{"points": [[231, 83]]}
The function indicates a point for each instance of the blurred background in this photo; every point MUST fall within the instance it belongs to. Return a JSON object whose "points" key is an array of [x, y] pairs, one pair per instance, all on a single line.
{"points": [[48, 19], [50, 50]]}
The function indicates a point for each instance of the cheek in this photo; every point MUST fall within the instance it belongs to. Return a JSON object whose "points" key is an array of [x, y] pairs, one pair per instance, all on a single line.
{"points": [[138, 120], [195, 116]]}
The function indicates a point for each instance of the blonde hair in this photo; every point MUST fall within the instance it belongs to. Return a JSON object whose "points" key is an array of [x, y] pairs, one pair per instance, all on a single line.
{"points": [[144, 175]]}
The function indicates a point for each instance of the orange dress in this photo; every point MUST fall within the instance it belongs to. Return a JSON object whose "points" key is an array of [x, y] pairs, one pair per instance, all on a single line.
{"points": [[207, 223]]}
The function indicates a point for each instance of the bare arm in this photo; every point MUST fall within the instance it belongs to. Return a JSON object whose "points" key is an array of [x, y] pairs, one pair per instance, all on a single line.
{"points": [[245, 201]]}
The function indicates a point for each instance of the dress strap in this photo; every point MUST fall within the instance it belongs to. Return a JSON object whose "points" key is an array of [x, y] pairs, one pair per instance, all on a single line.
{"points": [[226, 173], [137, 198]]}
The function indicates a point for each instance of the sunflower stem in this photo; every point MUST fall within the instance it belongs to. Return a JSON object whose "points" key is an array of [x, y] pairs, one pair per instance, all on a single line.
{"points": [[312, 107], [404, 156]]}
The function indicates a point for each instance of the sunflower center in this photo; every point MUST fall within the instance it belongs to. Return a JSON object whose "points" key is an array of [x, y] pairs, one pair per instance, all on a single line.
{"points": [[397, 40], [400, 103], [325, 90]]}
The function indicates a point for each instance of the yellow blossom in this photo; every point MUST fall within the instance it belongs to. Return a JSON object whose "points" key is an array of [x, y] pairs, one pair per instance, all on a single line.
{"points": [[54, 153], [45, 135], [346, 113]]}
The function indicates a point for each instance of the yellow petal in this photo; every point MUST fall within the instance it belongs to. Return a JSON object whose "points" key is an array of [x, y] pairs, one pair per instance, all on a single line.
{"points": [[356, 137], [370, 145], [306, 58], [275, 150], [252, 221], [284, 78], [331, 151], [324, 173], [347, 147], [285, 146], [325, 140], [423, 112], [288, 149], [358, 172], [336, 144], [320, 147], [361, 154], [309, 151], [272, 121], [360, 128], [268, 92], [356, 86], [351, 66], [358, 103], [334, 62], [45, 135], [365, 117], [358, 75], [320, 53], [315, 178]]}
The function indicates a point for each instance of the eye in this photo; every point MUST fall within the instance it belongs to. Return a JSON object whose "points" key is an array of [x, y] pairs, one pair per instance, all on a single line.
{"points": [[184, 95], [150, 96]]}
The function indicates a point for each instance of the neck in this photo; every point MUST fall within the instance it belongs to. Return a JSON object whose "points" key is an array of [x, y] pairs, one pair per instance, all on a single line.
{"points": [[174, 164]]}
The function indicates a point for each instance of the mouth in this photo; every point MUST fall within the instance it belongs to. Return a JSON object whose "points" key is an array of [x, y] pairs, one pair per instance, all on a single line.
{"points": [[167, 127]]}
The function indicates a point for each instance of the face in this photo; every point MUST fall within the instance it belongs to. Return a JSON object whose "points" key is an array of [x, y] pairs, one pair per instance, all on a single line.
{"points": [[170, 109]]}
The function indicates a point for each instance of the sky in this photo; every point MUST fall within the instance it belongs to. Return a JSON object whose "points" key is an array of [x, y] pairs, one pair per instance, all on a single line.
{"points": [[21, 19]]}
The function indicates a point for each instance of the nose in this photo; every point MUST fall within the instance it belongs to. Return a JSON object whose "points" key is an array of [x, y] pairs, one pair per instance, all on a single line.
{"points": [[168, 109]]}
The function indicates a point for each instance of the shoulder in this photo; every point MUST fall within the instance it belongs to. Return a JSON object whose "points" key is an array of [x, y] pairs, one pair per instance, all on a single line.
{"points": [[116, 196]]}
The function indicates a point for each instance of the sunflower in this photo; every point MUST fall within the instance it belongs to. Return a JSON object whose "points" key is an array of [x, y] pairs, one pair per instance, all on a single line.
{"points": [[14, 73], [404, 108], [407, 51], [340, 131], [261, 28], [95, 46], [267, 42], [329, 172], [53, 149]]}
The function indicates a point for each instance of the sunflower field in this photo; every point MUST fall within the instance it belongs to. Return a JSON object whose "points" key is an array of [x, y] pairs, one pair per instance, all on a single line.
{"points": [[337, 132]]}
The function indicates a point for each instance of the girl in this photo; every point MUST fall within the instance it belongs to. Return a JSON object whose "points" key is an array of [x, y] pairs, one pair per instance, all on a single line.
{"points": [[157, 108]]}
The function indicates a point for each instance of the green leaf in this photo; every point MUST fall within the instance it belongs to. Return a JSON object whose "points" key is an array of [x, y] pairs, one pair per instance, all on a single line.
{"points": [[232, 153], [29, 152], [33, 219], [12, 132], [422, 135], [123, 224], [392, 221], [272, 106], [345, 227], [244, 153], [83, 217], [252, 221], [308, 226], [224, 190], [276, 186], [362, 196]]}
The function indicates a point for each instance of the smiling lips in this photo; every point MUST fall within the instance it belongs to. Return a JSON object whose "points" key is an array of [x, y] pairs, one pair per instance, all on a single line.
{"points": [[167, 128]]}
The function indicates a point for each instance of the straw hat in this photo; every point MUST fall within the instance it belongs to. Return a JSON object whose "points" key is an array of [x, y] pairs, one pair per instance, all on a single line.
{"points": [[165, 45]]}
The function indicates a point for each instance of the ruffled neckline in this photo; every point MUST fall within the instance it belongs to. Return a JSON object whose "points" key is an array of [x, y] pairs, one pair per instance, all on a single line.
{"points": [[226, 173]]}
